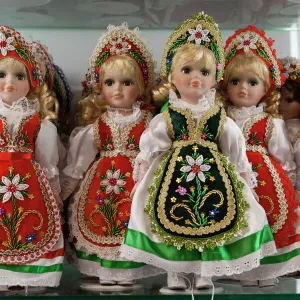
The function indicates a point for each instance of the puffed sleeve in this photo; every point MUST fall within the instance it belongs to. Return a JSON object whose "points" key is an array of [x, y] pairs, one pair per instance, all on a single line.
{"points": [[233, 145], [154, 140], [280, 148], [82, 151], [46, 148], [297, 161]]}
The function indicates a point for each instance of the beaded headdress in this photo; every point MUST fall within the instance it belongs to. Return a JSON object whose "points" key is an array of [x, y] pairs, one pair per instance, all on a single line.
{"points": [[291, 68], [119, 40], [200, 29], [86, 85], [13, 45], [253, 40], [46, 61]]}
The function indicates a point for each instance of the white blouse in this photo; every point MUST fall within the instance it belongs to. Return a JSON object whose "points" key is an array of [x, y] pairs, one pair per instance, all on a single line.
{"points": [[293, 129], [279, 145], [155, 139], [82, 148], [46, 144]]}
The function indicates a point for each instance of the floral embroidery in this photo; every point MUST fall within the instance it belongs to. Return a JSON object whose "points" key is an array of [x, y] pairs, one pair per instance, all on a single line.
{"points": [[206, 135], [109, 145], [181, 190], [246, 43], [118, 46], [13, 187], [23, 140], [2, 141], [113, 181], [184, 134], [254, 140], [198, 35], [131, 144], [5, 44], [255, 168], [195, 166]]}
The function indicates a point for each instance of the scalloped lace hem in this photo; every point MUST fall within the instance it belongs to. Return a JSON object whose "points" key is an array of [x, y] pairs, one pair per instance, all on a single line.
{"points": [[206, 269], [37, 282], [120, 274]]}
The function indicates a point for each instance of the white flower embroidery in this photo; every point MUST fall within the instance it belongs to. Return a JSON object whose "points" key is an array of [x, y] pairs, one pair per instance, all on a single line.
{"points": [[246, 42], [5, 44], [12, 188], [195, 167], [119, 46], [198, 35], [113, 182], [287, 69]]}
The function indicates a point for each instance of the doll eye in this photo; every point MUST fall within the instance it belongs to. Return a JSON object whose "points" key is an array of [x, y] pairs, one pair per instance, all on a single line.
{"points": [[109, 82], [20, 76], [234, 81], [253, 82], [2, 75], [205, 72], [186, 70], [128, 83]]}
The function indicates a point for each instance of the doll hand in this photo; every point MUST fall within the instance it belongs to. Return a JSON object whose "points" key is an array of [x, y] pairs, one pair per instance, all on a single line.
{"points": [[134, 189], [68, 185]]}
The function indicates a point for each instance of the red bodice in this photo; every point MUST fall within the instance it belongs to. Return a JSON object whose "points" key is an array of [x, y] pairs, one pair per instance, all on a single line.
{"points": [[275, 191]]}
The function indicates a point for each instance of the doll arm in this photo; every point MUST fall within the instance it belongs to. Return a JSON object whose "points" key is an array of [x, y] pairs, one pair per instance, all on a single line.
{"points": [[47, 154], [233, 145], [297, 161], [154, 141], [280, 148], [81, 153]]}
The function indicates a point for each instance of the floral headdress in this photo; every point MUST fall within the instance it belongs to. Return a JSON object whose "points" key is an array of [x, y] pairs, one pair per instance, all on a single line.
{"points": [[291, 68], [46, 61], [253, 40], [86, 85], [13, 45], [119, 40], [200, 29]]}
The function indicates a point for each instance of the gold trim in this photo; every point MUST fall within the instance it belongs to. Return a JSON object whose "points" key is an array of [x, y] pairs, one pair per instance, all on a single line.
{"points": [[169, 124], [96, 133], [269, 129]]}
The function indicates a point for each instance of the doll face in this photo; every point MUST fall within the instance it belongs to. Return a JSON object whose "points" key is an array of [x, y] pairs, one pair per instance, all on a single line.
{"points": [[193, 81], [289, 108], [119, 90], [245, 90], [14, 83]]}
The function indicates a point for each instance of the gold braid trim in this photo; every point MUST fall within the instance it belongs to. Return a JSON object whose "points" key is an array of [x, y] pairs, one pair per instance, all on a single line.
{"points": [[29, 212]]}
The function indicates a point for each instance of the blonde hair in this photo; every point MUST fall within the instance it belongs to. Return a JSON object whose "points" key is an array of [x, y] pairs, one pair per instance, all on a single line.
{"points": [[248, 62], [184, 55], [48, 103], [90, 106]]}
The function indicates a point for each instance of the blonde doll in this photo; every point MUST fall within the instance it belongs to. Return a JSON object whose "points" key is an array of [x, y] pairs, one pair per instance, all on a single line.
{"points": [[290, 109], [252, 74], [192, 212], [122, 70], [31, 249]]}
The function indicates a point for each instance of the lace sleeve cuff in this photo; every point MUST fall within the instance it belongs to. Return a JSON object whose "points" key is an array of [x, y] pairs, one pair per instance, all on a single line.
{"points": [[52, 172], [72, 172], [140, 169]]}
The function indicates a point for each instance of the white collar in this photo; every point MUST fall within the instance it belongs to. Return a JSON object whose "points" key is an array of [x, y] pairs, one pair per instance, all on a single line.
{"points": [[23, 105], [245, 112], [203, 104], [118, 118]]}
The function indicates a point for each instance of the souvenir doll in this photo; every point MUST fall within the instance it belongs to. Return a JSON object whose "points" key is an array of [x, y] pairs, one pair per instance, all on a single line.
{"points": [[252, 78], [290, 109], [122, 70], [192, 212], [31, 248]]}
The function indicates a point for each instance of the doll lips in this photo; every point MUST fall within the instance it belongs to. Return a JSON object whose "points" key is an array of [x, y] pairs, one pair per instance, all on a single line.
{"points": [[10, 89], [195, 84], [242, 94]]}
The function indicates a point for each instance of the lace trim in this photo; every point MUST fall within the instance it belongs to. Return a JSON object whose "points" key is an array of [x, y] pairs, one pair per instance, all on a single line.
{"points": [[203, 105], [93, 269], [245, 112], [50, 280], [117, 117], [55, 185], [206, 269], [269, 271], [22, 105]]}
